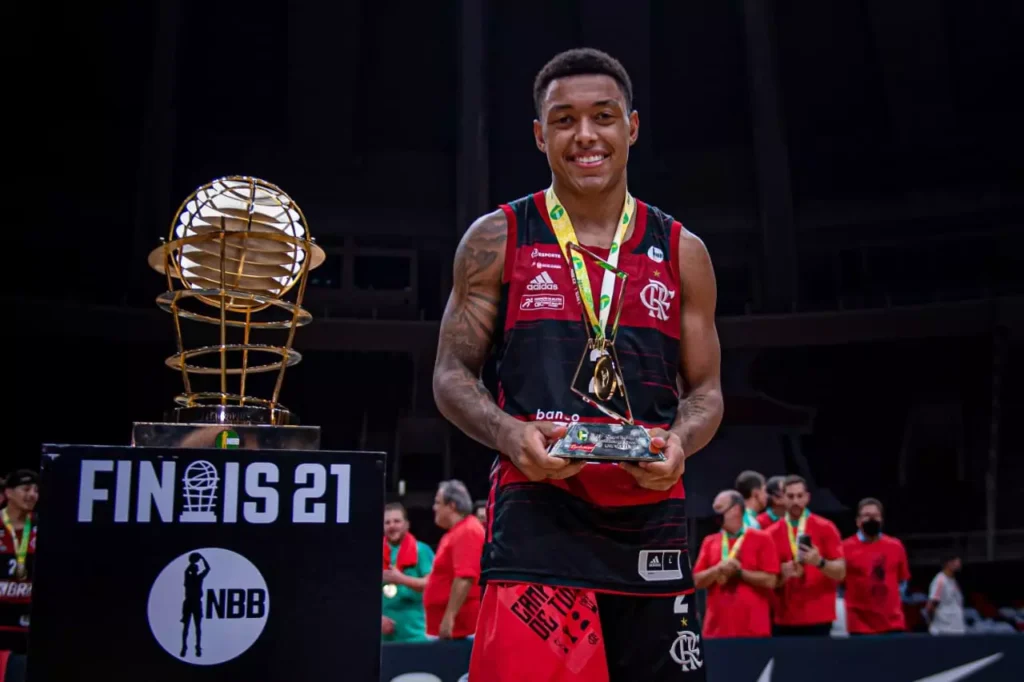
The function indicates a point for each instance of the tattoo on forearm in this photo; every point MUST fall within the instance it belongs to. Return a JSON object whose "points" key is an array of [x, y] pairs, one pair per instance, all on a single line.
{"points": [[697, 419], [467, 330]]}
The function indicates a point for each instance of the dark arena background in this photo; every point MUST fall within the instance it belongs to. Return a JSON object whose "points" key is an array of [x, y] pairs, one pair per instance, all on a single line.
{"points": [[854, 168]]}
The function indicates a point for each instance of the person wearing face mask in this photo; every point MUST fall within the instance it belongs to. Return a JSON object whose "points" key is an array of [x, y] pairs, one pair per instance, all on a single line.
{"points": [[776, 502], [739, 568], [877, 572]]}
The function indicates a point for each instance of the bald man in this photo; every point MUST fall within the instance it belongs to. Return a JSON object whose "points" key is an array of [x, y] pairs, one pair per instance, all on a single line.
{"points": [[739, 568]]}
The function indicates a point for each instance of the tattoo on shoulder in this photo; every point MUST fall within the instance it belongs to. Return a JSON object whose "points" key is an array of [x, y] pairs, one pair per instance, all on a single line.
{"points": [[476, 289]]}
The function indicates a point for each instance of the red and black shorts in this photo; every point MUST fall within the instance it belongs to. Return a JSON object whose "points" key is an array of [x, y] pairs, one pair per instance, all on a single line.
{"points": [[540, 633]]}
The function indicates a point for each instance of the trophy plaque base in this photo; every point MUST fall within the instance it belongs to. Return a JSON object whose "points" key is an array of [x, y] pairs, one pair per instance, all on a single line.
{"points": [[226, 436], [606, 443]]}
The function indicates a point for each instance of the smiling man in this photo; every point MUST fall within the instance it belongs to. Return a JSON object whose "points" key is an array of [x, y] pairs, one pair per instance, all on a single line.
{"points": [[588, 576]]}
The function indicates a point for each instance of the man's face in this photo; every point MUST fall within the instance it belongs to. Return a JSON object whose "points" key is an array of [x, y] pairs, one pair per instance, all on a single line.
{"points": [[868, 512], [797, 498], [760, 498], [24, 496], [585, 130], [481, 515], [395, 526], [444, 514]]}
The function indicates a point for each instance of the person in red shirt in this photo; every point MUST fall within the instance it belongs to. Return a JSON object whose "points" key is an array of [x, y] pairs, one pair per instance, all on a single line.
{"points": [[776, 508], [738, 567], [811, 554], [876, 574], [17, 558], [451, 599]]}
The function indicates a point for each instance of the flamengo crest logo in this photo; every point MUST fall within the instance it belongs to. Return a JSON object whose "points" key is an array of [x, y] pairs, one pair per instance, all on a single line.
{"points": [[656, 298], [208, 606]]}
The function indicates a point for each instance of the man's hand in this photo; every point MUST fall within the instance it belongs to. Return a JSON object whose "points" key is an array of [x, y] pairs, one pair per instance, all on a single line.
{"points": [[387, 626], [729, 567], [808, 556], [527, 443], [791, 569], [444, 630], [392, 576], [660, 475]]}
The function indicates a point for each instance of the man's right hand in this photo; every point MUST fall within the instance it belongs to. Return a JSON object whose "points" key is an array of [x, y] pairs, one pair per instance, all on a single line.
{"points": [[527, 443], [387, 626]]}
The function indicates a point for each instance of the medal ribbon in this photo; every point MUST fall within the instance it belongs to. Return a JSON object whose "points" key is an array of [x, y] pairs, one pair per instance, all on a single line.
{"points": [[795, 533], [750, 520], [564, 232], [730, 553], [20, 549]]}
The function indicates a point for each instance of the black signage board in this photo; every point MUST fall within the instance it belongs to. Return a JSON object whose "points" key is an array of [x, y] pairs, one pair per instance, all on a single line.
{"points": [[207, 564]]}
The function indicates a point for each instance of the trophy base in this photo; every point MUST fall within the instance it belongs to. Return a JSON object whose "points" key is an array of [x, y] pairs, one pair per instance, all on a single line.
{"points": [[225, 436], [606, 443], [231, 415]]}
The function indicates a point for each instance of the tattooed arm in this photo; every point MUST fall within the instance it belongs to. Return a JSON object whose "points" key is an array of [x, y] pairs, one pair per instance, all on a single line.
{"points": [[700, 407], [467, 330]]}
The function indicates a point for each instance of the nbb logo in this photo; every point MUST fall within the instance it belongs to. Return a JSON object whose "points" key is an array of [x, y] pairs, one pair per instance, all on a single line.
{"points": [[208, 606], [235, 602]]}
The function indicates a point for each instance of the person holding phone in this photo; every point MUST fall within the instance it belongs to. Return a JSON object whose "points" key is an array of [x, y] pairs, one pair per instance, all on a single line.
{"points": [[812, 566]]}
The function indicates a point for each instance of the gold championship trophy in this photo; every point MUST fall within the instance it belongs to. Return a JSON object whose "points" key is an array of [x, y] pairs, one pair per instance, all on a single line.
{"points": [[239, 249], [598, 380]]}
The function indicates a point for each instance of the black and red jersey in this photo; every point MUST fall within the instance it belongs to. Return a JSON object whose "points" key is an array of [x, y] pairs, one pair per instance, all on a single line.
{"points": [[15, 592], [598, 529]]}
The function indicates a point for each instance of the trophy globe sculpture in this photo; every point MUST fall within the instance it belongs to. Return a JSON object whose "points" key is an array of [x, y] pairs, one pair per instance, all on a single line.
{"points": [[236, 261]]}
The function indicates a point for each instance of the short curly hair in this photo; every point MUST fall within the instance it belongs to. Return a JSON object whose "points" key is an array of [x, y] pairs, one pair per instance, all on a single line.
{"points": [[578, 62]]}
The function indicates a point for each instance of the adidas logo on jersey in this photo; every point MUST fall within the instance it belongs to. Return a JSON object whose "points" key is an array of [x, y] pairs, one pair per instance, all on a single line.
{"points": [[542, 282]]}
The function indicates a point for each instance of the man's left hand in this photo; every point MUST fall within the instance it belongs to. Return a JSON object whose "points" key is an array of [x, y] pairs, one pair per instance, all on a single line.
{"points": [[660, 475], [444, 631]]}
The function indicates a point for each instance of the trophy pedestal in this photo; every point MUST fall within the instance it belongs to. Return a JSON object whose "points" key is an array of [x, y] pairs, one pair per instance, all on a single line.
{"points": [[226, 436], [228, 427]]}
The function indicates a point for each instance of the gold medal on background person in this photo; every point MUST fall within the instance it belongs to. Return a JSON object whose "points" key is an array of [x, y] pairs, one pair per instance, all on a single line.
{"points": [[20, 548], [598, 380], [390, 590]]}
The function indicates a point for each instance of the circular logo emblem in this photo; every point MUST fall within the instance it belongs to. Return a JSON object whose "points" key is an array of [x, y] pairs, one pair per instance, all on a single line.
{"points": [[208, 606], [557, 212], [228, 440]]}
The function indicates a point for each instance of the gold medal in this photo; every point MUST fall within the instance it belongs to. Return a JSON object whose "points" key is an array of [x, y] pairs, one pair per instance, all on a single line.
{"points": [[390, 590], [605, 382], [21, 572]]}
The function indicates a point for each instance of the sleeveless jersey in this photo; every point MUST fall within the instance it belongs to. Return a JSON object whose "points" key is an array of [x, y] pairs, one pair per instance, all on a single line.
{"points": [[599, 529]]}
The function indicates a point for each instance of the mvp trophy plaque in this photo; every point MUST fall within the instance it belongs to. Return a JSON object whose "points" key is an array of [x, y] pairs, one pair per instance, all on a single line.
{"points": [[598, 380], [238, 247]]}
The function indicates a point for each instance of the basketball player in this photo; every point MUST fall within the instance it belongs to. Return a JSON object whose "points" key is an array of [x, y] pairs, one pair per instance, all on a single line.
{"points": [[586, 565], [192, 604]]}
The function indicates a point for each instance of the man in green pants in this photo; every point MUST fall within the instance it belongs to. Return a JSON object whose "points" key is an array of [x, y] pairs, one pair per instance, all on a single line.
{"points": [[407, 562]]}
